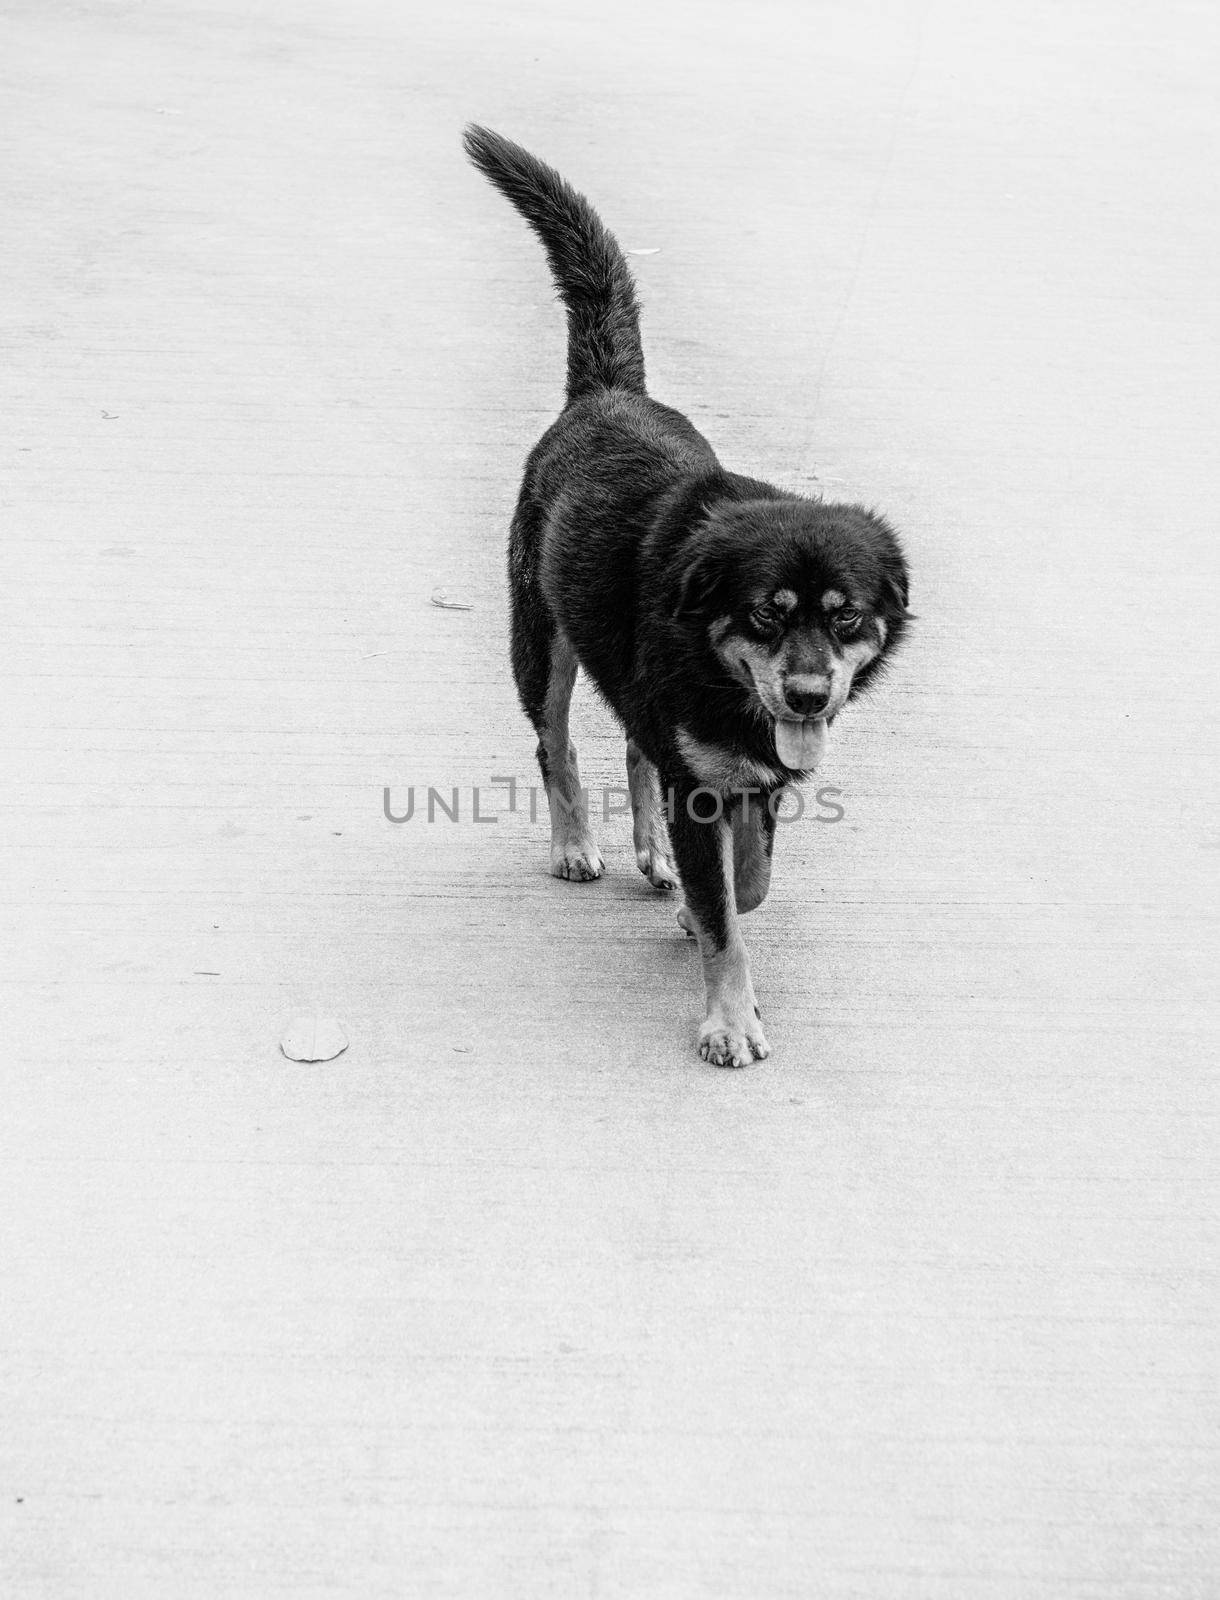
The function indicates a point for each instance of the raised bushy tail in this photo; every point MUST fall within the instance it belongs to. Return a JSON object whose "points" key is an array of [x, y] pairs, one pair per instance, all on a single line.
{"points": [[604, 350]]}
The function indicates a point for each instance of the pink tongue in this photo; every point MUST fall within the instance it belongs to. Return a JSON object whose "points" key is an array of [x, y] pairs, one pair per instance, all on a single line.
{"points": [[800, 744]]}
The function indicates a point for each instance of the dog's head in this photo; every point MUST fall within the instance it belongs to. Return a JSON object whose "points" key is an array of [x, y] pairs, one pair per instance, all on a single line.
{"points": [[799, 601]]}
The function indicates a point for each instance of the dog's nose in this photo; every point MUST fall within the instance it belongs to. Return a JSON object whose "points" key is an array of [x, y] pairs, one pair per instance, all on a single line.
{"points": [[807, 695]]}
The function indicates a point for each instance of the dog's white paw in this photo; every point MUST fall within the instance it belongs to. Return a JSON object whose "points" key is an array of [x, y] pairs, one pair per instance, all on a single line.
{"points": [[687, 923], [579, 861], [732, 1041], [657, 868]]}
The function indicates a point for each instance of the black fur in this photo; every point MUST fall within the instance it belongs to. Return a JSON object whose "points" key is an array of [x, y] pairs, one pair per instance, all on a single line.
{"points": [[631, 538]]}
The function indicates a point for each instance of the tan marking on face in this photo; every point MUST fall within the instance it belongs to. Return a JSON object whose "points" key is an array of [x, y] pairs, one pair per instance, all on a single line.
{"points": [[859, 652], [833, 599], [847, 661], [722, 769], [718, 631], [754, 666], [785, 598], [879, 624]]}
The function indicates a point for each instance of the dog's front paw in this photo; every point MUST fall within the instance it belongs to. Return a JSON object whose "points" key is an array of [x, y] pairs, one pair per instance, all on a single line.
{"points": [[579, 861], [657, 868], [687, 923], [732, 1041]]}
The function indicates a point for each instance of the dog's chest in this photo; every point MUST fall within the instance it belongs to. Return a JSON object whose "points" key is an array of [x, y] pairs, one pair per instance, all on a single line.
{"points": [[724, 769]]}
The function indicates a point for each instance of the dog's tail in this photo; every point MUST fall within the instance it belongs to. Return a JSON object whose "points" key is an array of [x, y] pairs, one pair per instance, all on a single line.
{"points": [[604, 350]]}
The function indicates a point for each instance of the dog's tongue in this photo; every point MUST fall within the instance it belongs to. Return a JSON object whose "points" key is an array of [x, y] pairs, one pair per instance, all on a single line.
{"points": [[800, 744]]}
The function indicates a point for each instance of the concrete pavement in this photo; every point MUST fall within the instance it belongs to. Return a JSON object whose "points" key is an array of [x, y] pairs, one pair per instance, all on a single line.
{"points": [[516, 1297]]}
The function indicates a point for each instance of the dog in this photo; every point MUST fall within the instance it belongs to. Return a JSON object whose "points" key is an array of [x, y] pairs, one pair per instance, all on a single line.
{"points": [[725, 622]]}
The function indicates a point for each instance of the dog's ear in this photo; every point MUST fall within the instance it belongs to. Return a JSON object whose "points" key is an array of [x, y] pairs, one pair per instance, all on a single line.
{"points": [[894, 588], [699, 586]]}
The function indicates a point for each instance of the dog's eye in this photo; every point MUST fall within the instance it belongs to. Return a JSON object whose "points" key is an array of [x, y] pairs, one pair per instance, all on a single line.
{"points": [[766, 618], [847, 620]]}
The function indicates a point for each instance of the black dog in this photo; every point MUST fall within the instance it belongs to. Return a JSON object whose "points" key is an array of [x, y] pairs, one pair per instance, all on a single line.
{"points": [[725, 621]]}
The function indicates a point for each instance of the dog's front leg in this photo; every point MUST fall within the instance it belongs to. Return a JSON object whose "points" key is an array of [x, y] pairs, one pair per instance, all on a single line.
{"points": [[753, 839], [731, 1035]]}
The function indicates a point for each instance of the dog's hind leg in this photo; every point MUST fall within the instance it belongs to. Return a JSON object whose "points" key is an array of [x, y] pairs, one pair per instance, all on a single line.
{"points": [[648, 821], [574, 855], [544, 665]]}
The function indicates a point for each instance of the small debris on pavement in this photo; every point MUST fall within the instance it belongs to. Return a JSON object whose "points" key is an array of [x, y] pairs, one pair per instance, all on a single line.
{"points": [[441, 599], [314, 1039]]}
